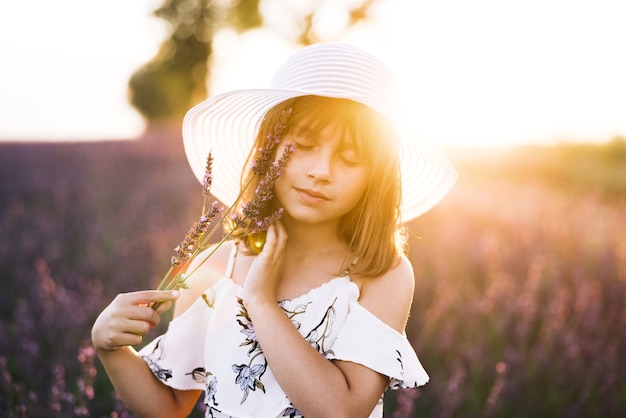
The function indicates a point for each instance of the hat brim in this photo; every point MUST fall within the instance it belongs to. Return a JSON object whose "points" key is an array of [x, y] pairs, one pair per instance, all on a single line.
{"points": [[227, 124]]}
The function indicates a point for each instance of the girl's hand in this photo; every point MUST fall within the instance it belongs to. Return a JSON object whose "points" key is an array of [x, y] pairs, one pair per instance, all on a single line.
{"points": [[129, 317], [263, 279]]}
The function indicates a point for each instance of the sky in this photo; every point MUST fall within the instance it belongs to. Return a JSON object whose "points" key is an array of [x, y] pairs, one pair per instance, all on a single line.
{"points": [[472, 73]]}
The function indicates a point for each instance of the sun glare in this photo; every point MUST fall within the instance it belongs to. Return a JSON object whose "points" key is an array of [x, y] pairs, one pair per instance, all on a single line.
{"points": [[484, 72], [492, 72]]}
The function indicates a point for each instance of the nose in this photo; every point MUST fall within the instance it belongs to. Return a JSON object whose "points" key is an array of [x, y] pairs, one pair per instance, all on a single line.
{"points": [[320, 166]]}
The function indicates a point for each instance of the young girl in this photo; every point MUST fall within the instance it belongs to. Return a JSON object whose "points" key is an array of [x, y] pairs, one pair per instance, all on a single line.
{"points": [[314, 324]]}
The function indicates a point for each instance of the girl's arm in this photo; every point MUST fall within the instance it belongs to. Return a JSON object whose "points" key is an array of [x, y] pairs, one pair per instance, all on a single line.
{"points": [[124, 323], [316, 386]]}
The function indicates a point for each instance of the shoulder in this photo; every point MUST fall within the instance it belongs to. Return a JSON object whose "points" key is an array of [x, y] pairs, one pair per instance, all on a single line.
{"points": [[207, 268], [389, 296]]}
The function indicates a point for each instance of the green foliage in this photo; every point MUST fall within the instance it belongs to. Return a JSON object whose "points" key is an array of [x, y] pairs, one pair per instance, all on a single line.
{"points": [[244, 15], [589, 165], [161, 95], [175, 79], [574, 167]]}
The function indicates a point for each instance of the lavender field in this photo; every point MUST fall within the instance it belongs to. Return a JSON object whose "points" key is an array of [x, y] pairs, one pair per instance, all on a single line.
{"points": [[520, 300]]}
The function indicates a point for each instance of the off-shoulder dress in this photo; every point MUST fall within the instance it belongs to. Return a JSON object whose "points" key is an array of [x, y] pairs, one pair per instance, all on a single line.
{"points": [[212, 347]]}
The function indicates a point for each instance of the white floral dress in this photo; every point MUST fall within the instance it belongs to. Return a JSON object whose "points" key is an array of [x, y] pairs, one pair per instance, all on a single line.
{"points": [[212, 347]]}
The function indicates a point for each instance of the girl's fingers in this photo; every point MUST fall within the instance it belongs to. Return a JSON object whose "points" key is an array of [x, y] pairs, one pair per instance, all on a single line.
{"points": [[128, 339], [138, 327], [280, 229], [143, 314], [129, 317], [275, 239], [145, 297], [281, 234], [270, 236], [162, 307]]}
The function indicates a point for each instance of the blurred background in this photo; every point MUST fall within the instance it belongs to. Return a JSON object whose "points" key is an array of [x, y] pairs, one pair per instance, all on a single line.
{"points": [[521, 271]]}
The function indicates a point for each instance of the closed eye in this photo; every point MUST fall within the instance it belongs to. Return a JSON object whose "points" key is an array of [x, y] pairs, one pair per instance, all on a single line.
{"points": [[302, 145], [351, 156]]}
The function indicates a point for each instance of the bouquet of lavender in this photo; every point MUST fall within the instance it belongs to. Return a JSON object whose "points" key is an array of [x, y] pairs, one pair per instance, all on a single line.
{"points": [[250, 217]]}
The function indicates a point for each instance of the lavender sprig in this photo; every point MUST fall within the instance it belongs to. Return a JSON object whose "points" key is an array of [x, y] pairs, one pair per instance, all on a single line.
{"points": [[199, 236], [261, 164], [207, 180], [253, 210], [185, 252]]}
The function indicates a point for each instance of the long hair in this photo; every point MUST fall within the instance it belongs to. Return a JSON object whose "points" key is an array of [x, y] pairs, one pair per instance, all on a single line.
{"points": [[371, 228]]}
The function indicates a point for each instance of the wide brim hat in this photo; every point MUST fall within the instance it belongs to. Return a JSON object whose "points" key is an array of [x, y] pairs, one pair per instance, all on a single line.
{"points": [[227, 124]]}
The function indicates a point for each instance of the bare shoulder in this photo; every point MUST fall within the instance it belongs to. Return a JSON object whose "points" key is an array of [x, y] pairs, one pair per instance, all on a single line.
{"points": [[389, 296], [208, 267]]}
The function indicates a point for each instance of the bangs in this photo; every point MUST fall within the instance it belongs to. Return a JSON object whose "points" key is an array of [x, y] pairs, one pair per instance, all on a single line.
{"points": [[361, 127]]}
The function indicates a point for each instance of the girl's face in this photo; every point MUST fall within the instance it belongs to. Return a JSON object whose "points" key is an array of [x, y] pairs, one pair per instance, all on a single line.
{"points": [[325, 176]]}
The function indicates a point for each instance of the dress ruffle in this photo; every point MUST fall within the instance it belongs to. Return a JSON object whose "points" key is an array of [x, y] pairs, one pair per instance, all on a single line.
{"points": [[175, 355], [366, 340]]}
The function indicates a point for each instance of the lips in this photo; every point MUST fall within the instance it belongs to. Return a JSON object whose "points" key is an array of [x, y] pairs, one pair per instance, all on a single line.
{"points": [[311, 194]]}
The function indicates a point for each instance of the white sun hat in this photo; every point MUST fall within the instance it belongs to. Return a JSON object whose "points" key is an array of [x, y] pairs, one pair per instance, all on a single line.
{"points": [[227, 124]]}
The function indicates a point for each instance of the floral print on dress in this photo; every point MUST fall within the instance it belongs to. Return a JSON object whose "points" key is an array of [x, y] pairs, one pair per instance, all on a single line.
{"points": [[161, 374], [234, 373], [248, 378], [211, 391], [294, 313], [291, 412], [317, 336], [249, 375]]}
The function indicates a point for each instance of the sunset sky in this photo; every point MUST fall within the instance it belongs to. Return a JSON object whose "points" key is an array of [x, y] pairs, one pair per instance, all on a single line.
{"points": [[482, 72]]}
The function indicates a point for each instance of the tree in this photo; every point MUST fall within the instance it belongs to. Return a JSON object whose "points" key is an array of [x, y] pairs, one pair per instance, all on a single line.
{"points": [[176, 78]]}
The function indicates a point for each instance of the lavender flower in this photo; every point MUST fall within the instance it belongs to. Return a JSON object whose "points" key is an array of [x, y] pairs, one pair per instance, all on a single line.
{"points": [[251, 218], [185, 250], [253, 210], [261, 164], [207, 180]]}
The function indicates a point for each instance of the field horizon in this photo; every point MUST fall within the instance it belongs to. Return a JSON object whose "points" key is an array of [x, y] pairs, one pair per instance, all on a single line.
{"points": [[520, 275]]}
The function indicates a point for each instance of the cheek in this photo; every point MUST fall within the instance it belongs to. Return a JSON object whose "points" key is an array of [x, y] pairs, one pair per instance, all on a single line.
{"points": [[357, 183]]}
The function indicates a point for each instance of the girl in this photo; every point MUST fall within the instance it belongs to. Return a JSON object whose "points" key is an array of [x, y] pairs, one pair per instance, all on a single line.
{"points": [[314, 324]]}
